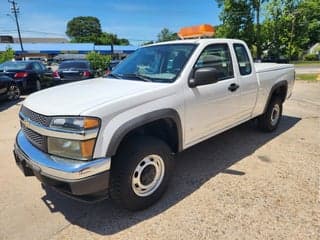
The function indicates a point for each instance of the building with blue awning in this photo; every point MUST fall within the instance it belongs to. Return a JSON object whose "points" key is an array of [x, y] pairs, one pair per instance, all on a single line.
{"points": [[50, 50]]}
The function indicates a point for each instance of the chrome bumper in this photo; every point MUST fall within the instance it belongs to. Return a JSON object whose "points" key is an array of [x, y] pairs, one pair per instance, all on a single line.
{"points": [[57, 167]]}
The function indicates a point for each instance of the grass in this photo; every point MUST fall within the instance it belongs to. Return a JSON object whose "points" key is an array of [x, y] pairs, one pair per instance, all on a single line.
{"points": [[308, 77]]}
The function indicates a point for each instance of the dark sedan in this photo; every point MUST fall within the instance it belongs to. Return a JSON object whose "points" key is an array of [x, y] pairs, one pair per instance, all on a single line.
{"points": [[9, 89], [27, 75], [73, 70]]}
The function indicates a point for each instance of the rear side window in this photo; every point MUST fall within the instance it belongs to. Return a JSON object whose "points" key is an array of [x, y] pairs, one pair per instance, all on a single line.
{"points": [[218, 57], [36, 67], [243, 59], [74, 64]]}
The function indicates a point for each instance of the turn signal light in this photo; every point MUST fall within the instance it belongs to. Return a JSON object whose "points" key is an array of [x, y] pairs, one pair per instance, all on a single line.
{"points": [[91, 123]]}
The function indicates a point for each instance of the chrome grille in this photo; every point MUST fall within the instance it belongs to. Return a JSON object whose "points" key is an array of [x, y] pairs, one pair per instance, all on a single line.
{"points": [[35, 138], [36, 117]]}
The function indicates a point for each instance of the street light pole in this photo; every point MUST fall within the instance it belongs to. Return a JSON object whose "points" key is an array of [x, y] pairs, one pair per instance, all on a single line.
{"points": [[15, 11]]}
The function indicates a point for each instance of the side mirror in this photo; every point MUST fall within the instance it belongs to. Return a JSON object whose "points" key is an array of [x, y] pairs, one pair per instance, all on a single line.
{"points": [[204, 76]]}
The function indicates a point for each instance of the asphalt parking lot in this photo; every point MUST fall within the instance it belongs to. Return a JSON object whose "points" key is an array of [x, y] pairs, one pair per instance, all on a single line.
{"points": [[242, 184]]}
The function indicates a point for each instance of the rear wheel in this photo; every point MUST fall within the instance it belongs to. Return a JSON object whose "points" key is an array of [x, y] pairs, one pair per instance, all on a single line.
{"points": [[38, 85], [269, 121], [140, 172], [13, 92]]}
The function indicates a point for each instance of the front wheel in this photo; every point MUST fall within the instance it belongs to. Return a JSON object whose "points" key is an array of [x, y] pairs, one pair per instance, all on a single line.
{"points": [[140, 172], [270, 120]]}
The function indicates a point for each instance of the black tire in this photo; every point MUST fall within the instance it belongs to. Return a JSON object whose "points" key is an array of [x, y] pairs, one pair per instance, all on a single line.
{"points": [[270, 120], [38, 85], [124, 168], [14, 92]]}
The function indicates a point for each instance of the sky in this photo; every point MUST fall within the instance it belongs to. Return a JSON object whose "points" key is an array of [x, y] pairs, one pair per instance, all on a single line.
{"points": [[137, 20]]}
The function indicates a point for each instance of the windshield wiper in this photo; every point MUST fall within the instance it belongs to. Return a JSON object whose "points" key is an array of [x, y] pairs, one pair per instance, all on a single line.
{"points": [[117, 76], [138, 76]]}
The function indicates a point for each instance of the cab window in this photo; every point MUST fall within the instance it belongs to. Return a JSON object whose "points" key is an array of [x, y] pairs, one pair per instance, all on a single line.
{"points": [[218, 57], [243, 59], [36, 67]]}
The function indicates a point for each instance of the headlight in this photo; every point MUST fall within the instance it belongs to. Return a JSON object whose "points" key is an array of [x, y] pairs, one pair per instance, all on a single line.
{"points": [[72, 148], [74, 123], [75, 149]]}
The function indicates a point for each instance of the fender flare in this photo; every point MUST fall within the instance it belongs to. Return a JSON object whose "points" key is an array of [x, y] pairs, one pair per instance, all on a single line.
{"points": [[139, 121], [273, 89]]}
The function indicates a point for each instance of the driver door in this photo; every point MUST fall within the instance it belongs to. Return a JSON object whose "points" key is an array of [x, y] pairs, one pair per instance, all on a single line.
{"points": [[213, 107]]}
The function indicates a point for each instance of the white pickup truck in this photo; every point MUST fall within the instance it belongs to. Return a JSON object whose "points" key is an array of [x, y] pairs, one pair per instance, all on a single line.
{"points": [[117, 136]]}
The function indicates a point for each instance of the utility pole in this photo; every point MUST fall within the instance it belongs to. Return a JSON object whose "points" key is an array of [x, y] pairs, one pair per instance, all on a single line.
{"points": [[15, 10]]}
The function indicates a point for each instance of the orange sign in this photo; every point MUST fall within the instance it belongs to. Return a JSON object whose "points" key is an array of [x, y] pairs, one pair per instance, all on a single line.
{"points": [[204, 30]]}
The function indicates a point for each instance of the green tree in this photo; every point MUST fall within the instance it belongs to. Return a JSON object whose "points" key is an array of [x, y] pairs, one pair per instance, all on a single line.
{"points": [[84, 29], [237, 20], [147, 43], [88, 30], [111, 39], [167, 35], [291, 27], [98, 62], [6, 55]]}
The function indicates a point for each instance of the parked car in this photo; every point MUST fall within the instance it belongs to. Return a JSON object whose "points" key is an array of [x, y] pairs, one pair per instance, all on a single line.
{"points": [[120, 135], [27, 75], [72, 70], [111, 66], [9, 89]]}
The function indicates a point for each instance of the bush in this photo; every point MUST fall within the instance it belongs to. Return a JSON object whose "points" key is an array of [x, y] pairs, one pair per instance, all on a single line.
{"points": [[311, 57], [7, 55], [98, 62]]}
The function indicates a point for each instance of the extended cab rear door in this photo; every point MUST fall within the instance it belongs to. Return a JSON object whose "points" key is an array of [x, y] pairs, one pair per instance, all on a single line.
{"points": [[213, 107], [247, 79]]}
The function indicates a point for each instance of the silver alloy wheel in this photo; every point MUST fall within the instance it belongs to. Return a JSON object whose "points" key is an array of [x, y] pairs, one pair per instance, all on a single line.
{"points": [[148, 175], [275, 114], [13, 92]]}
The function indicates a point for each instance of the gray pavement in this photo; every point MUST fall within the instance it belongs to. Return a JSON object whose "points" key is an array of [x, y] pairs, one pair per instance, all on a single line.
{"points": [[307, 69], [242, 184]]}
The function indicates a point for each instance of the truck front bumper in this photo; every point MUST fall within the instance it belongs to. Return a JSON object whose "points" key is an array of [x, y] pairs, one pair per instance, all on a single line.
{"points": [[75, 178]]}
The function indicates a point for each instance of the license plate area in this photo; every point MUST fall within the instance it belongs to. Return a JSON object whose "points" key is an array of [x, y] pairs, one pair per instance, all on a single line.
{"points": [[22, 164]]}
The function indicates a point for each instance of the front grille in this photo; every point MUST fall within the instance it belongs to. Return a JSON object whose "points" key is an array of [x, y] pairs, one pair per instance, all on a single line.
{"points": [[36, 139], [36, 117]]}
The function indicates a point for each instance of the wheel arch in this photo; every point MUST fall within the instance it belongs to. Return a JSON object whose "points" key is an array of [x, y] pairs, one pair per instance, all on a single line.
{"points": [[280, 89], [165, 117]]}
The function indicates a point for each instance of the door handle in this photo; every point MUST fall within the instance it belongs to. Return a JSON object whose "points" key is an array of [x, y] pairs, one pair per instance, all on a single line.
{"points": [[233, 87]]}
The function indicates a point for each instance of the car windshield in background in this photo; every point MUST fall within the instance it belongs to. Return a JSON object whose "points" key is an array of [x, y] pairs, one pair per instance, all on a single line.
{"points": [[159, 63], [7, 66], [73, 64]]}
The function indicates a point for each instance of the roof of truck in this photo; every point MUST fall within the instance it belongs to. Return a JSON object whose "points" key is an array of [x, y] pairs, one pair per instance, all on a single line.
{"points": [[199, 41]]}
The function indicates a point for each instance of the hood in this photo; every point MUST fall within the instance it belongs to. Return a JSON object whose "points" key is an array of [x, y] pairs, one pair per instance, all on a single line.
{"points": [[75, 98]]}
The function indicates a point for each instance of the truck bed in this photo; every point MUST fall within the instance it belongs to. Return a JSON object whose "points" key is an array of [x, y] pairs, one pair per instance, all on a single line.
{"points": [[266, 67]]}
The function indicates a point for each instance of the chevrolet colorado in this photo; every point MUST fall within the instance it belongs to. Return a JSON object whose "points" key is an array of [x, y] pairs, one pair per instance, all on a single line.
{"points": [[117, 135]]}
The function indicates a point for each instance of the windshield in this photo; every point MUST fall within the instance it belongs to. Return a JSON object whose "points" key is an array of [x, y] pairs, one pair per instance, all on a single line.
{"points": [[13, 66], [160, 63], [73, 65]]}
